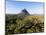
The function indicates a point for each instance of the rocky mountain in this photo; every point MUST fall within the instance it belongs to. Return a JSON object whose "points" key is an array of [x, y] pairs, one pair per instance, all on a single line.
{"points": [[25, 12]]}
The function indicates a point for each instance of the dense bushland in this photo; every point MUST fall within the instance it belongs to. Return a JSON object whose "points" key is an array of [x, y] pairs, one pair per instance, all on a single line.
{"points": [[17, 24]]}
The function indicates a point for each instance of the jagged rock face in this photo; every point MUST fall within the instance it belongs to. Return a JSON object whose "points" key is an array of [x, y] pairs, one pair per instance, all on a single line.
{"points": [[25, 12]]}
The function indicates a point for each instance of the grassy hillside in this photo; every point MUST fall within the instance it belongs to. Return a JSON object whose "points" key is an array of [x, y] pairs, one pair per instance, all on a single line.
{"points": [[16, 24]]}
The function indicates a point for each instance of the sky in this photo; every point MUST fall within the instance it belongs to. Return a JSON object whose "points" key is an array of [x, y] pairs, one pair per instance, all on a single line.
{"points": [[15, 7]]}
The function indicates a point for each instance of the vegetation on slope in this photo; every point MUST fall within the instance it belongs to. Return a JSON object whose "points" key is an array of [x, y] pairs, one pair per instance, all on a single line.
{"points": [[16, 24]]}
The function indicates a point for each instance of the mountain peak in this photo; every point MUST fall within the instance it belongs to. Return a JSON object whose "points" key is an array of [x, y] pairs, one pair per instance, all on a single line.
{"points": [[24, 11]]}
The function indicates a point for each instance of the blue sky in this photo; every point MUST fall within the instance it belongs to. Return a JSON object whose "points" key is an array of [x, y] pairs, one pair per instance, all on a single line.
{"points": [[15, 7]]}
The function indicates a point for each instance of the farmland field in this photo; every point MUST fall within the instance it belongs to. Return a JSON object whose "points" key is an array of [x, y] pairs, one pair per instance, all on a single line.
{"points": [[18, 24]]}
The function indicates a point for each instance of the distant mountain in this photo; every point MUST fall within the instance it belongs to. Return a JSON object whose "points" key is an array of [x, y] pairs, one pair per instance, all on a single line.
{"points": [[25, 12]]}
